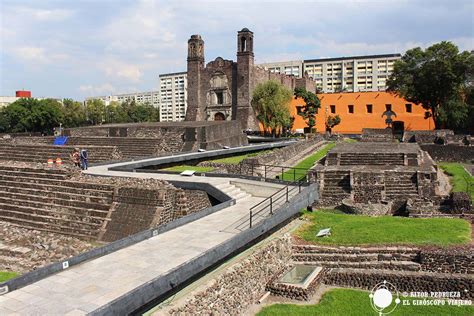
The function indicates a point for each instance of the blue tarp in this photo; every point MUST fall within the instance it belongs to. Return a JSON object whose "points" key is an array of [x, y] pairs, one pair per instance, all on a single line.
{"points": [[60, 140]]}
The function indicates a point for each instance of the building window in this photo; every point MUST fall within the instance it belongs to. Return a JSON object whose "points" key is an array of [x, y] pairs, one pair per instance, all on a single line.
{"points": [[369, 108], [350, 108], [220, 97], [408, 107], [299, 110], [333, 109], [388, 107]]}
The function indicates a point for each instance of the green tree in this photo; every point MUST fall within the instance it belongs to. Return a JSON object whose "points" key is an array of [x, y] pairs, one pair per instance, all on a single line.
{"points": [[331, 122], [16, 117], [95, 111], [270, 101], [310, 108], [47, 115], [74, 113], [434, 78]]}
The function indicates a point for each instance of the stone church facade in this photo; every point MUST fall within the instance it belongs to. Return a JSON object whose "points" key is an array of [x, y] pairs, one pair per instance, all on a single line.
{"points": [[222, 89]]}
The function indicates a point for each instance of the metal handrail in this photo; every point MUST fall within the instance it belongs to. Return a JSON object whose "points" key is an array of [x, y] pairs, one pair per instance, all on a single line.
{"points": [[272, 201]]}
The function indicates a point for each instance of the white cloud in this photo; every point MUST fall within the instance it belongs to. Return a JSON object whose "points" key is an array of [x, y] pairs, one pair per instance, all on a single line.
{"points": [[116, 68], [93, 90], [44, 15]]}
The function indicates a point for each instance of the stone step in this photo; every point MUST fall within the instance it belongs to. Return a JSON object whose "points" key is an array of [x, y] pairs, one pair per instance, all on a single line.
{"points": [[96, 215], [353, 249], [44, 174], [53, 220], [379, 265], [34, 170], [64, 230], [58, 195], [64, 183], [57, 188], [53, 200], [356, 257]]}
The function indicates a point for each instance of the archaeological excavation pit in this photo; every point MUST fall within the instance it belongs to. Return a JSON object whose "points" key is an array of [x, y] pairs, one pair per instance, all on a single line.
{"points": [[298, 283]]}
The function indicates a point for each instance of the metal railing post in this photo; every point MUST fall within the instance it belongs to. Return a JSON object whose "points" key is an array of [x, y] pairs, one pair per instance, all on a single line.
{"points": [[250, 219], [282, 177], [252, 169], [294, 174], [287, 194], [240, 164], [265, 168], [271, 205]]}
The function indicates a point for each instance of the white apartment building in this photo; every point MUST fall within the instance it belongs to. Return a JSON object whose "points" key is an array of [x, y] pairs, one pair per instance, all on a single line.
{"points": [[151, 97], [294, 67], [350, 74], [173, 96]]}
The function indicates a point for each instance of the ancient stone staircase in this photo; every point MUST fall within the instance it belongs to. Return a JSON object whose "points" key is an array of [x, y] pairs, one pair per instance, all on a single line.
{"points": [[46, 200], [41, 153], [336, 185], [401, 185], [354, 159], [389, 258]]}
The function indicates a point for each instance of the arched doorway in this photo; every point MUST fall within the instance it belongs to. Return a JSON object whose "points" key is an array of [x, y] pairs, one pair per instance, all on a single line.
{"points": [[219, 117]]}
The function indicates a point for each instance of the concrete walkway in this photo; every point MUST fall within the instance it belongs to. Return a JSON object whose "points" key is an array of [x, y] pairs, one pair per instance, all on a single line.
{"points": [[83, 288]]}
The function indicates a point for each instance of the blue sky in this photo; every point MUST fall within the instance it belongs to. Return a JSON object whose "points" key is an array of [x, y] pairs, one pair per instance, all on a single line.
{"points": [[86, 48]]}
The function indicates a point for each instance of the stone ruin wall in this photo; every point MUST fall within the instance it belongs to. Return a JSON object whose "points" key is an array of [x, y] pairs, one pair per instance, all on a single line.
{"points": [[404, 281], [450, 152], [240, 285], [135, 209], [278, 156], [377, 135]]}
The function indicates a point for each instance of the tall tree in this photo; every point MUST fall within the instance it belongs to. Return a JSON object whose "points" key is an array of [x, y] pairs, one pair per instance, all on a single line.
{"points": [[95, 111], [74, 113], [434, 78], [310, 107], [270, 101]]}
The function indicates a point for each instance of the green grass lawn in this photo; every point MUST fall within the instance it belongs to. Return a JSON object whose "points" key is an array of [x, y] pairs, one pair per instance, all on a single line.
{"points": [[350, 302], [461, 180], [186, 167], [7, 275], [365, 230], [234, 160], [304, 165]]}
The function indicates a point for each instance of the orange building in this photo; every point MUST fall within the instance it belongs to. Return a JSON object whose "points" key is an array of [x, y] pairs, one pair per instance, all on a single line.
{"points": [[359, 110]]}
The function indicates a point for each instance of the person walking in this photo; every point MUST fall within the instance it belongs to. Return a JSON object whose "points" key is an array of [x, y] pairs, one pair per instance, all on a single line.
{"points": [[75, 157], [84, 159]]}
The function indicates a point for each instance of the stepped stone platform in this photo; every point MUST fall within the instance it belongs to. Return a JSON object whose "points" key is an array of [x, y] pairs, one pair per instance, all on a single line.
{"points": [[375, 172], [150, 138], [40, 152]]}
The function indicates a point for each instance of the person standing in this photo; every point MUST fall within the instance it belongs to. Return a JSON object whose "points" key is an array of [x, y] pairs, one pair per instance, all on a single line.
{"points": [[84, 159], [76, 159]]}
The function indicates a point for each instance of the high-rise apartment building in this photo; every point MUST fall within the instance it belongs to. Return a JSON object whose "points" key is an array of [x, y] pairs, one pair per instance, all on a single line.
{"points": [[150, 97], [173, 96], [350, 74]]}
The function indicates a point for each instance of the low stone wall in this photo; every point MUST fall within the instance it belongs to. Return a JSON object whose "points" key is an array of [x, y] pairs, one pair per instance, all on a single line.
{"points": [[281, 155], [450, 152], [425, 137], [403, 281], [241, 284], [448, 261]]}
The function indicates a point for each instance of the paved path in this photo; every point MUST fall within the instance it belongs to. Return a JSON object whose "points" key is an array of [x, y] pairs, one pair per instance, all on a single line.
{"points": [[87, 286]]}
